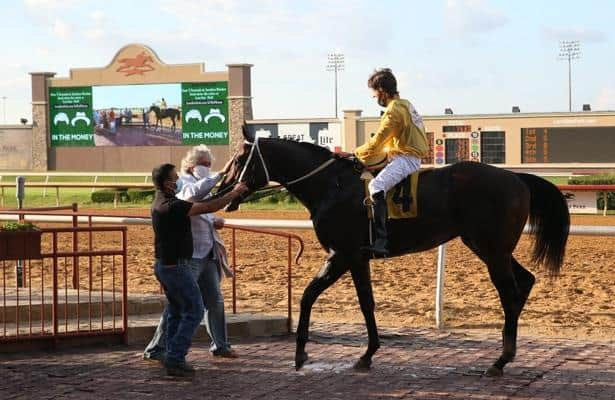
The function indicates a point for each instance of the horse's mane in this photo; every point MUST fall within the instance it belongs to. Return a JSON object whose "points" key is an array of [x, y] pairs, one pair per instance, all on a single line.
{"points": [[314, 152], [305, 145]]}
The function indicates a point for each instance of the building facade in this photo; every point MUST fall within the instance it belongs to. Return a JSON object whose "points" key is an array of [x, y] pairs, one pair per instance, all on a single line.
{"points": [[533, 140]]}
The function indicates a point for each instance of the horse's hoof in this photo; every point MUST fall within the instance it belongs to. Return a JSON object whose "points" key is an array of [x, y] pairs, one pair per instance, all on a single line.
{"points": [[362, 365], [300, 359], [494, 372]]}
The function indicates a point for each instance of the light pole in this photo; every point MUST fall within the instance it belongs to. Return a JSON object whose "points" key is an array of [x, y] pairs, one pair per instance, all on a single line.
{"points": [[569, 50], [4, 108], [335, 63]]}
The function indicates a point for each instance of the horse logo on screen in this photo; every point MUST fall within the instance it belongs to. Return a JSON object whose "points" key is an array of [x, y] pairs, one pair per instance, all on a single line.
{"points": [[136, 65]]}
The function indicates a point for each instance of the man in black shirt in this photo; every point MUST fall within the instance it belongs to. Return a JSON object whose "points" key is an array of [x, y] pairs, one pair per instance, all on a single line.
{"points": [[173, 249]]}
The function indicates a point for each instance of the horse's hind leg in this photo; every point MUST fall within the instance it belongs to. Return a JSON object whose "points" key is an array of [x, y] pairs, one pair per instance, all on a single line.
{"points": [[513, 283], [503, 275], [525, 282], [335, 267], [363, 284], [513, 295]]}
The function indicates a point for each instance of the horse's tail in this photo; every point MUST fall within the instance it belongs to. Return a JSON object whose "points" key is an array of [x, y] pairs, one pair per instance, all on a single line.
{"points": [[549, 222]]}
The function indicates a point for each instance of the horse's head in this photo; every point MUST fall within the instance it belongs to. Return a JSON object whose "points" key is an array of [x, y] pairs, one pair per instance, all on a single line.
{"points": [[246, 167]]}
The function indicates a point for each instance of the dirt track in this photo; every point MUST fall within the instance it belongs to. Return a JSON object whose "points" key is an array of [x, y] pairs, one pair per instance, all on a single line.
{"points": [[577, 304]]}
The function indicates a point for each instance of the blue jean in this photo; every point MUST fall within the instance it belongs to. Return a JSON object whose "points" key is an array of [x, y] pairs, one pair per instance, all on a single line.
{"points": [[184, 310], [205, 271]]}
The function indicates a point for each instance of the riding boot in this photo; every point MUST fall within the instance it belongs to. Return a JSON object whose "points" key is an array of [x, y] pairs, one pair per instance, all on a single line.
{"points": [[379, 248]]}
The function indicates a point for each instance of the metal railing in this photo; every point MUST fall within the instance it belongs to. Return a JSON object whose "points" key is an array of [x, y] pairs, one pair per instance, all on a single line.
{"points": [[50, 306], [289, 237], [76, 217]]}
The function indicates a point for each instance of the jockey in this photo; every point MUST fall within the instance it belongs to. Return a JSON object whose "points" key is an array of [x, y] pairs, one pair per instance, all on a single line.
{"points": [[163, 104], [400, 140]]}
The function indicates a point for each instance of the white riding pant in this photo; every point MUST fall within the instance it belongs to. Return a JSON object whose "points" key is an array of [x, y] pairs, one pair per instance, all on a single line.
{"points": [[395, 171]]}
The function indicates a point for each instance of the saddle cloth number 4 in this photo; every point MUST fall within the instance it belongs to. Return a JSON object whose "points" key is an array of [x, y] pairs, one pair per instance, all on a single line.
{"points": [[402, 199]]}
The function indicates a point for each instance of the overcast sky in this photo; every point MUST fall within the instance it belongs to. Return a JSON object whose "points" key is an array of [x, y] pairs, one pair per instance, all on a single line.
{"points": [[475, 56]]}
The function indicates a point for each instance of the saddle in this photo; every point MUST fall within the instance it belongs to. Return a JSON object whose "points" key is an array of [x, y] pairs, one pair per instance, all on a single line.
{"points": [[402, 199]]}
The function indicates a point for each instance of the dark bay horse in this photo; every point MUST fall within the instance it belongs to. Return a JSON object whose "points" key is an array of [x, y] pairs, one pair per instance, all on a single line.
{"points": [[172, 113], [484, 205]]}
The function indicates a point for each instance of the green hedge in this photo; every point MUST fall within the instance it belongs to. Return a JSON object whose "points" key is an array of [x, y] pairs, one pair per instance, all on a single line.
{"points": [[141, 195], [611, 201], [125, 195], [600, 179], [107, 195], [281, 197], [147, 196]]}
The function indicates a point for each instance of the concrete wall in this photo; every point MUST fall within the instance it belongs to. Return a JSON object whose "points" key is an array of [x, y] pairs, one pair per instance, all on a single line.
{"points": [[15, 147]]}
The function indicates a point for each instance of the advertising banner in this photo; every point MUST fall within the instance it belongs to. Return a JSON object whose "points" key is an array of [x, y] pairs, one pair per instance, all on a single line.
{"points": [[581, 202], [70, 116], [324, 134], [205, 113]]}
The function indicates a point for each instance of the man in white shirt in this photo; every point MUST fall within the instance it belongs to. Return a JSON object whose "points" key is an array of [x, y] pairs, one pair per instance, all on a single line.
{"points": [[208, 263]]}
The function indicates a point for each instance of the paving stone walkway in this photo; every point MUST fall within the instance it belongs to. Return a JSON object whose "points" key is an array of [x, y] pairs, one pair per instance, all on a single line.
{"points": [[411, 364]]}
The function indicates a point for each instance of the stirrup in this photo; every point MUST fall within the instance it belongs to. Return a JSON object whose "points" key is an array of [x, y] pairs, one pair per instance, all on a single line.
{"points": [[383, 253]]}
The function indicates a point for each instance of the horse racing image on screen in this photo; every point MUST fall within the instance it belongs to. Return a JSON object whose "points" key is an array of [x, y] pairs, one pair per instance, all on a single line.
{"points": [[139, 115]]}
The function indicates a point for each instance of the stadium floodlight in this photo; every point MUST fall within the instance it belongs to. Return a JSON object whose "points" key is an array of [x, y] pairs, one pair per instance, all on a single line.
{"points": [[335, 63], [569, 50]]}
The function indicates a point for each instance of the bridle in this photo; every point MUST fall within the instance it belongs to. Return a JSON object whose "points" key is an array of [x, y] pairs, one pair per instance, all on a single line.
{"points": [[260, 156], [277, 188]]}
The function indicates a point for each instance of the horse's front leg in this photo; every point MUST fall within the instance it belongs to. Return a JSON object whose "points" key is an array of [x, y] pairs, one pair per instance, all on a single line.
{"points": [[363, 284], [335, 267]]}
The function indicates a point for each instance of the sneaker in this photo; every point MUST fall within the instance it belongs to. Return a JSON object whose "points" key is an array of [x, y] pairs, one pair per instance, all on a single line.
{"points": [[179, 369], [154, 357], [225, 353]]}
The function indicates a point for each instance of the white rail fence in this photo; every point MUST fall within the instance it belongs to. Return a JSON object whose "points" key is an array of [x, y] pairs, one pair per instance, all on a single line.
{"points": [[579, 230], [146, 176]]}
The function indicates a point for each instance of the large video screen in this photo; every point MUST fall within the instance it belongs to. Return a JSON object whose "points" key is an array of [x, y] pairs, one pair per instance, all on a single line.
{"points": [[564, 145], [139, 115]]}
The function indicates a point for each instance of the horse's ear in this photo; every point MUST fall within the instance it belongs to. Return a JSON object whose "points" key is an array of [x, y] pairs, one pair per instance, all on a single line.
{"points": [[247, 135]]}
